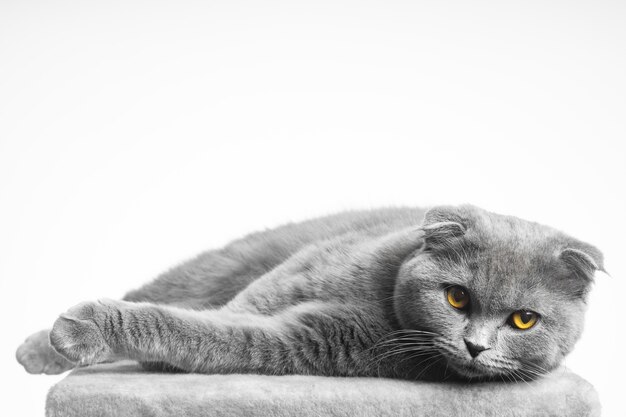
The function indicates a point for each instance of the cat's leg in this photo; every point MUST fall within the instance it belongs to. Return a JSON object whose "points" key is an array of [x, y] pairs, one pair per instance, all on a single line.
{"points": [[209, 280], [307, 339], [38, 357]]}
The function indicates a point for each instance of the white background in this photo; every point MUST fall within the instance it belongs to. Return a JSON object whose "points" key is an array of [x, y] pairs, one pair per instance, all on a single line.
{"points": [[135, 134]]}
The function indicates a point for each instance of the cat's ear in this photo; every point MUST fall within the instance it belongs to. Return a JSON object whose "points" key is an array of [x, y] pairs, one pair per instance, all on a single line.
{"points": [[442, 226], [442, 214], [583, 262], [440, 235]]}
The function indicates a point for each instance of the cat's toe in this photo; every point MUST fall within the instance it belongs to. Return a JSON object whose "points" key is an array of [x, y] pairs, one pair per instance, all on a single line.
{"points": [[77, 334], [37, 356]]}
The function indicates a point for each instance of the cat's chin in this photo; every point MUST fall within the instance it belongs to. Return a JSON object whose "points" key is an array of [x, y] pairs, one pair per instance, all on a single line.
{"points": [[474, 370]]}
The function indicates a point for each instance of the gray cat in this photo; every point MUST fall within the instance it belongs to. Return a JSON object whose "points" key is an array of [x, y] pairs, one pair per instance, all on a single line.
{"points": [[456, 292]]}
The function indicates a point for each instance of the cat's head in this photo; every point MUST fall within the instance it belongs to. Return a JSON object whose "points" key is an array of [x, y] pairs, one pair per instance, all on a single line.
{"points": [[497, 295]]}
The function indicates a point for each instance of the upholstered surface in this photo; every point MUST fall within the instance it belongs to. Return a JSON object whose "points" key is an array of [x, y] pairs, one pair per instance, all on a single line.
{"points": [[123, 389]]}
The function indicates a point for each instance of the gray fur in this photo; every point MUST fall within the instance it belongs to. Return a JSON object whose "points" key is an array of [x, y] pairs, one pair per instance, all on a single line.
{"points": [[354, 294]]}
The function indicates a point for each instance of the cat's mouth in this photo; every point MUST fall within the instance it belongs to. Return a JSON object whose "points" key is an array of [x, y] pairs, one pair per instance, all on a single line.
{"points": [[475, 368], [471, 370], [479, 367]]}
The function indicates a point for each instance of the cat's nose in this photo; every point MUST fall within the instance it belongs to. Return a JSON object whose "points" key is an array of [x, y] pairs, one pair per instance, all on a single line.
{"points": [[474, 349]]}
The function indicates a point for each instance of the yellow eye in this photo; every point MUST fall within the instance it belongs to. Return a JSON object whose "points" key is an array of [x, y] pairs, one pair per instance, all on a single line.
{"points": [[524, 320], [458, 297]]}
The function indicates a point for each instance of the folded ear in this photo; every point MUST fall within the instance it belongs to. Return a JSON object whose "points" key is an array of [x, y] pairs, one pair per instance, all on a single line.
{"points": [[441, 214], [440, 235], [583, 262], [441, 226]]}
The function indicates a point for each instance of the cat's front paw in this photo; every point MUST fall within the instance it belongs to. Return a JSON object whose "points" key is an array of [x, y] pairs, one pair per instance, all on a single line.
{"points": [[79, 334], [37, 356]]}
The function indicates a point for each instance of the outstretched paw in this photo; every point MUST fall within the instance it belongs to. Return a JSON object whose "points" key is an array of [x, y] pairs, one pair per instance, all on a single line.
{"points": [[79, 333], [37, 356]]}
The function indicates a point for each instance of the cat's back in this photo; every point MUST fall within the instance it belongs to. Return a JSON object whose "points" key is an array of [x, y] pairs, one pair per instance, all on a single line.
{"points": [[268, 249], [368, 222], [216, 276]]}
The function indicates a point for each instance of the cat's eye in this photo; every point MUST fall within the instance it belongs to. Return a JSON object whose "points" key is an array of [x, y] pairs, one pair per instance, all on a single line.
{"points": [[524, 319], [458, 297]]}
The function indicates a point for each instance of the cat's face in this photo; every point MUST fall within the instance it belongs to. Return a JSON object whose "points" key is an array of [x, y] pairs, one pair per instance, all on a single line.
{"points": [[499, 297]]}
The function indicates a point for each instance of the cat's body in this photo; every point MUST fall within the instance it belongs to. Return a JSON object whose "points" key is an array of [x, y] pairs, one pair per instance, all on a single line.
{"points": [[355, 294]]}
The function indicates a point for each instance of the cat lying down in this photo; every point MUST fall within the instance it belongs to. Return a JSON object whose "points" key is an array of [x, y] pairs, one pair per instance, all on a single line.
{"points": [[451, 293]]}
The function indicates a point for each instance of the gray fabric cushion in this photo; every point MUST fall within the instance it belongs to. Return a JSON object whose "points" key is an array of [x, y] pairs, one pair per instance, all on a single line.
{"points": [[123, 389]]}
